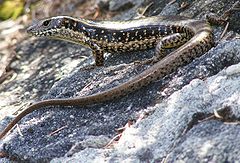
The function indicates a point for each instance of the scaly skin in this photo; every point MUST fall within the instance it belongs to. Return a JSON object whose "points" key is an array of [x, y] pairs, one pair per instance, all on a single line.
{"points": [[113, 36], [201, 42]]}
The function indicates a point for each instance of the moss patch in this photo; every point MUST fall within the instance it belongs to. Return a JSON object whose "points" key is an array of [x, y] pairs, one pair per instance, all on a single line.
{"points": [[11, 9]]}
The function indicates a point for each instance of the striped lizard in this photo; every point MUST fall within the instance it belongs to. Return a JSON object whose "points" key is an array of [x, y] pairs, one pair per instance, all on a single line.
{"points": [[191, 37]]}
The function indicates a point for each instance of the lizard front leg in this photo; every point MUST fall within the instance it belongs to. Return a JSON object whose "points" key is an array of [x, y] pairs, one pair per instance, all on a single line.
{"points": [[99, 57], [98, 54]]}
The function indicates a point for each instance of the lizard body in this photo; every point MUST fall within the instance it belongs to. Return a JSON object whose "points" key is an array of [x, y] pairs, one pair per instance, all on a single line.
{"points": [[114, 36], [194, 36]]}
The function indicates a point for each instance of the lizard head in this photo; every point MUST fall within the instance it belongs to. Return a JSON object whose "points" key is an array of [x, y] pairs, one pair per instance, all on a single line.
{"points": [[60, 27], [46, 27]]}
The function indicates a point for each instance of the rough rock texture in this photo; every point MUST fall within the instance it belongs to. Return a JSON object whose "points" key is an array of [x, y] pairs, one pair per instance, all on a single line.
{"points": [[183, 126]]}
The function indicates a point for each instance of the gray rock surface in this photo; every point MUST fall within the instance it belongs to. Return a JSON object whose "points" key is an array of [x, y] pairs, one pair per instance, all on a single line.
{"points": [[117, 5], [168, 133], [198, 122]]}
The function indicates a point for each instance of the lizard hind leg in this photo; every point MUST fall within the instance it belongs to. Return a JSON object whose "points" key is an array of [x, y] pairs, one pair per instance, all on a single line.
{"points": [[171, 41]]}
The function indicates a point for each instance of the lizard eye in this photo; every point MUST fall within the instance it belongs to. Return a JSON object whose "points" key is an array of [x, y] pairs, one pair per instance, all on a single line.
{"points": [[46, 23]]}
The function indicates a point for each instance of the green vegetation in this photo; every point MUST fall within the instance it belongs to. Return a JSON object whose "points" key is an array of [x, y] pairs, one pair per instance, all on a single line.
{"points": [[11, 9]]}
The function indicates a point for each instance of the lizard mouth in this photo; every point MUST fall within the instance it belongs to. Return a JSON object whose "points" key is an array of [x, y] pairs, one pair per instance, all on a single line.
{"points": [[40, 33], [35, 30]]}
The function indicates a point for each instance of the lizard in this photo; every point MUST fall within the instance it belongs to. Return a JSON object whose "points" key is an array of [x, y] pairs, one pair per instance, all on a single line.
{"points": [[191, 37]]}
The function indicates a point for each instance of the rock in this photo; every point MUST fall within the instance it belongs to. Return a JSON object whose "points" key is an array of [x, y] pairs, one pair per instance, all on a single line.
{"points": [[118, 5], [103, 4], [81, 132], [183, 127]]}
